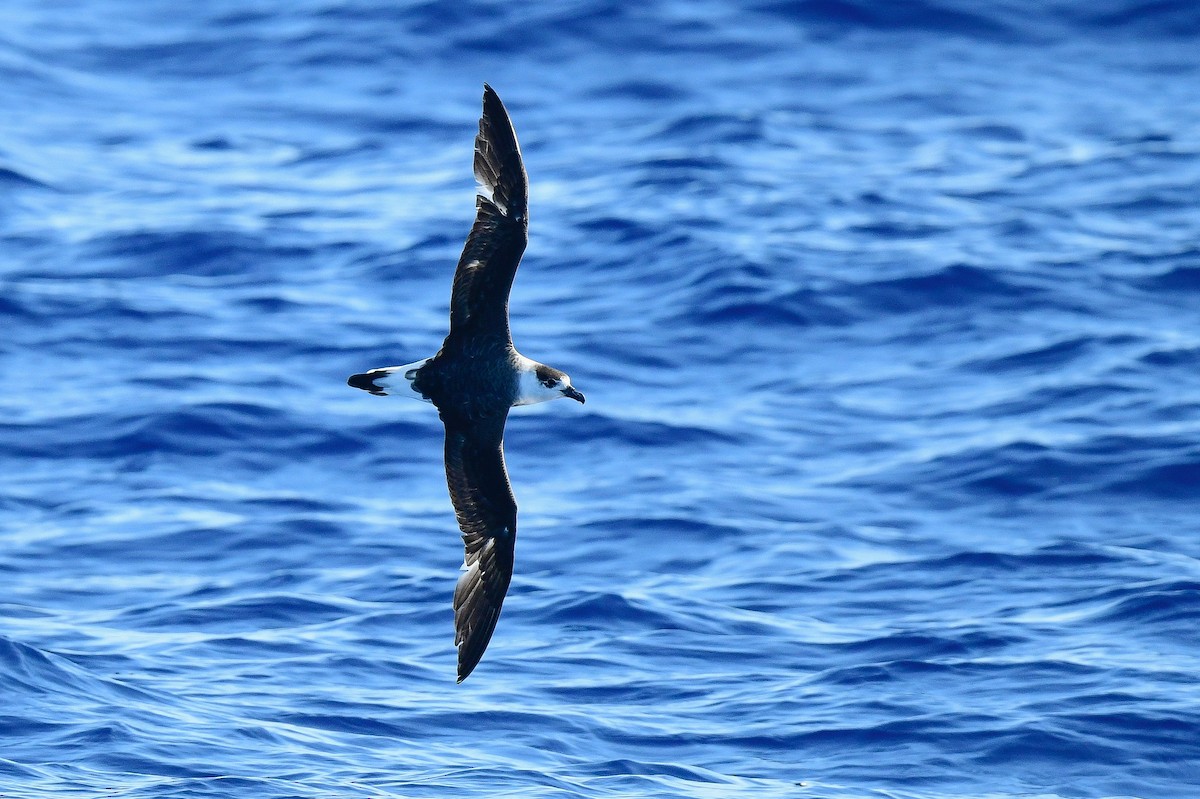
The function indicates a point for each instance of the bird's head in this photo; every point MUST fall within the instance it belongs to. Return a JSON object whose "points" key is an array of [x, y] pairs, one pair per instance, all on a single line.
{"points": [[542, 383]]}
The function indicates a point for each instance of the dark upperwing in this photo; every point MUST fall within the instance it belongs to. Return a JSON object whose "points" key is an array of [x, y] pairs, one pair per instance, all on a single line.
{"points": [[487, 515], [485, 272]]}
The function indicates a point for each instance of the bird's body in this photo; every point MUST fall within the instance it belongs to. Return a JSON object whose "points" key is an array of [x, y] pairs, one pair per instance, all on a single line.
{"points": [[476, 377]]}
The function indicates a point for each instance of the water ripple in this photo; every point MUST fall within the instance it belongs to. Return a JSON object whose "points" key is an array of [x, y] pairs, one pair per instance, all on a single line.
{"points": [[884, 487]]}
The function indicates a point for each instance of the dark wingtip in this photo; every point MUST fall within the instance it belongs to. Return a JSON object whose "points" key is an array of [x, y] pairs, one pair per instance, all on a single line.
{"points": [[366, 382], [472, 647], [490, 98], [467, 664]]}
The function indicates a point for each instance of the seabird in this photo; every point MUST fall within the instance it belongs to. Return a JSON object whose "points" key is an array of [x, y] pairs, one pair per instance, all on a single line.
{"points": [[476, 377]]}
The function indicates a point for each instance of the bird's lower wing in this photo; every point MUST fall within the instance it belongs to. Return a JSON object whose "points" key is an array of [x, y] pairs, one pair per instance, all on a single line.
{"points": [[487, 516]]}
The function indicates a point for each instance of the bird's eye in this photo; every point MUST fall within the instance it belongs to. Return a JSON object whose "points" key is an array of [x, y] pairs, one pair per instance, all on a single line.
{"points": [[551, 383]]}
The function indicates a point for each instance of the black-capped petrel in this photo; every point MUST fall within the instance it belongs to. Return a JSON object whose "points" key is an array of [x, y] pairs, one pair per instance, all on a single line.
{"points": [[476, 377]]}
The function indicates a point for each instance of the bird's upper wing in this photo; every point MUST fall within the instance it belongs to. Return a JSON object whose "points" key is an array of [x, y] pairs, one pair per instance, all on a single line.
{"points": [[487, 515], [497, 240]]}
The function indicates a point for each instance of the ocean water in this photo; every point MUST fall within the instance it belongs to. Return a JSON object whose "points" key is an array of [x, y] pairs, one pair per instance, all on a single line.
{"points": [[886, 486]]}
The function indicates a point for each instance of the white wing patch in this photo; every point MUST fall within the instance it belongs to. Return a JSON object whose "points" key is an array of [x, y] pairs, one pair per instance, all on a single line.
{"points": [[487, 189], [484, 551], [488, 192]]}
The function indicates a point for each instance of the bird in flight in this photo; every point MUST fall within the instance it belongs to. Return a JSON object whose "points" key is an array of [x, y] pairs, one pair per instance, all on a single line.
{"points": [[476, 377]]}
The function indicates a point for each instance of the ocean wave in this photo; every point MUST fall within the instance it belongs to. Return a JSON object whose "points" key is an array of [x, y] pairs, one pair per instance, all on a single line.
{"points": [[12, 179], [885, 315], [1004, 22], [947, 17]]}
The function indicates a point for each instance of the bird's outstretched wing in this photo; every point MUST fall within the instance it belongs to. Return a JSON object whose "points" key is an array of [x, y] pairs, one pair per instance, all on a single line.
{"points": [[487, 515], [489, 260]]}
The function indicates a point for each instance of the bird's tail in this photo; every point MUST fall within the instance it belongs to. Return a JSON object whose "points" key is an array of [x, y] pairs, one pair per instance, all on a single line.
{"points": [[396, 381]]}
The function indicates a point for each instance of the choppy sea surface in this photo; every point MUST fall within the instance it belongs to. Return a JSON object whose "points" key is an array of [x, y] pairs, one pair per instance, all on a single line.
{"points": [[888, 315]]}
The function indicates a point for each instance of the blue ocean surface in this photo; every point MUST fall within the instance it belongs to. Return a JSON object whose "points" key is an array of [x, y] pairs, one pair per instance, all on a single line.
{"points": [[887, 313]]}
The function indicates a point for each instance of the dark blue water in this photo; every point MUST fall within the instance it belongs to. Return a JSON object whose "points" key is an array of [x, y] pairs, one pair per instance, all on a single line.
{"points": [[888, 315]]}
